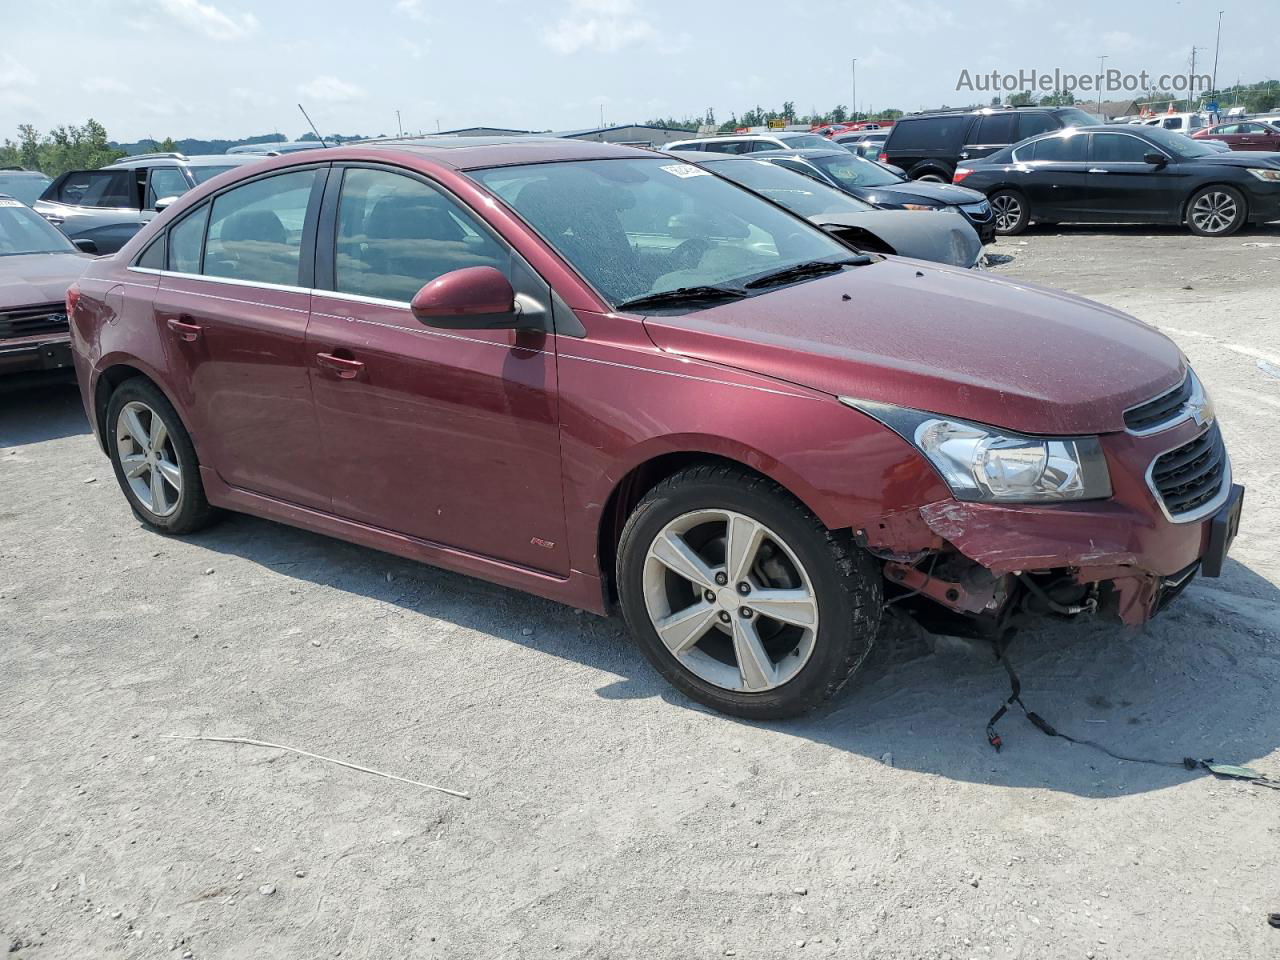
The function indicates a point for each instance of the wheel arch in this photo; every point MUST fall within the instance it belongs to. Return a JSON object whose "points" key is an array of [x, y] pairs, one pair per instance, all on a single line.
{"points": [[109, 378], [648, 473], [931, 166]]}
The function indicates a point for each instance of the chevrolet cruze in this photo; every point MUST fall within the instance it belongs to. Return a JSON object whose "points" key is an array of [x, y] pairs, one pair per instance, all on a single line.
{"points": [[604, 376]]}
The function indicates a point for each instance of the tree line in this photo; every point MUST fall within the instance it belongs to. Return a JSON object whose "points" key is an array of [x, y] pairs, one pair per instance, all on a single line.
{"points": [[61, 149]]}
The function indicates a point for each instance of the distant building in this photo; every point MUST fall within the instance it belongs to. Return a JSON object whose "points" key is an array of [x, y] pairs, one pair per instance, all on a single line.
{"points": [[634, 133], [1112, 108]]}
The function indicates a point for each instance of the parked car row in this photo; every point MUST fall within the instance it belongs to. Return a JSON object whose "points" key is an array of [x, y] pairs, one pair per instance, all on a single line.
{"points": [[614, 378]]}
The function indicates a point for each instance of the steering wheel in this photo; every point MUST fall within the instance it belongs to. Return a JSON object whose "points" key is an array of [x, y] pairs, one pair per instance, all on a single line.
{"points": [[688, 254]]}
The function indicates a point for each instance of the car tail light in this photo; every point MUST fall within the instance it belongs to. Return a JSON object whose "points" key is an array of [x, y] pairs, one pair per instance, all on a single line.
{"points": [[73, 297], [884, 157], [960, 174]]}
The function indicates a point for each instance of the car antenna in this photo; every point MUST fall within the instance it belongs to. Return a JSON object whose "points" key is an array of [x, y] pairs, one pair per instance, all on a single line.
{"points": [[313, 127]]}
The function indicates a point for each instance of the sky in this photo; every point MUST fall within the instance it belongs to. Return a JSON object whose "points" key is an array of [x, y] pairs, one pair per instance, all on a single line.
{"points": [[236, 68]]}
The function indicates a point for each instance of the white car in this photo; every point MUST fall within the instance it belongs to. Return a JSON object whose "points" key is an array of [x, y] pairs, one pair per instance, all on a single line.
{"points": [[751, 142]]}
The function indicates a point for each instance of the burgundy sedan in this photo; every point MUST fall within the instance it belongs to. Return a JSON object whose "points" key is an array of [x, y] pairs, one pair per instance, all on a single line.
{"points": [[600, 375], [1243, 135]]}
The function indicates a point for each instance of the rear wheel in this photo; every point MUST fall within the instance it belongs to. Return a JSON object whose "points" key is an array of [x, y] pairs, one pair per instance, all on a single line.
{"points": [[154, 460], [1011, 211], [1217, 211], [932, 177], [740, 596]]}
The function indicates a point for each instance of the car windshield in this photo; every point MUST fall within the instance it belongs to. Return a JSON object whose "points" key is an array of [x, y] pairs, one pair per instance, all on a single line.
{"points": [[795, 191], [1178, 144], [638, 227], [203, 173], [22, 230], [23, 186], [853, 171]]}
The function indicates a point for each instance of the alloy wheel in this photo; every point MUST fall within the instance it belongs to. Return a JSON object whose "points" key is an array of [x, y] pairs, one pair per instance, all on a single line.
{"points": [[1214, 212], [1008, 211], [730, 600], [148, 458]]}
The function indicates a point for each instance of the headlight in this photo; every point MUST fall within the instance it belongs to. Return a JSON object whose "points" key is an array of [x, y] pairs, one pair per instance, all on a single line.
{"points": [[987, 463], [1265, 173], [920, 206]]}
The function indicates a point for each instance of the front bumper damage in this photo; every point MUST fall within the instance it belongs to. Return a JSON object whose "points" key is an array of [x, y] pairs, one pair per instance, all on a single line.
{"points": [[989, 565]]}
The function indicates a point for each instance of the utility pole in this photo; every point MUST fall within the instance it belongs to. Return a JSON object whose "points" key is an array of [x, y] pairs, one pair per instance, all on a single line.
{"points": [[853, 106], [399, 125], [1191, 76], [1216, 43], [1101, 62]]}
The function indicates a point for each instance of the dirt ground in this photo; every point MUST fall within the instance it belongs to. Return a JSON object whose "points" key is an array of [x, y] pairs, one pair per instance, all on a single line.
{"points": [[610, 817]]}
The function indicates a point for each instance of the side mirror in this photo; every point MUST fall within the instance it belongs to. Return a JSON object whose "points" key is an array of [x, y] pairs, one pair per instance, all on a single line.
{"points": [[86, 246], [1159, 159], [165, 202], [472, 298]]}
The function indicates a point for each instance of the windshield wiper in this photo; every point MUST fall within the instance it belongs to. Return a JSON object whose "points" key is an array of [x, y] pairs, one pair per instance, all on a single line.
{"points": [[666, 298], [811, 268]]}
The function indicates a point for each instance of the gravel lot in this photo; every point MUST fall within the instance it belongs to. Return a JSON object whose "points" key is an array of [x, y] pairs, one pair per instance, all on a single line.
{"points": [[609, 816]]}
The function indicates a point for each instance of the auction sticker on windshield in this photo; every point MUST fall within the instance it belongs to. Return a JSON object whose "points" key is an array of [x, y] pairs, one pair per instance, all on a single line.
{"points": [[684, 170], [11, 203]]}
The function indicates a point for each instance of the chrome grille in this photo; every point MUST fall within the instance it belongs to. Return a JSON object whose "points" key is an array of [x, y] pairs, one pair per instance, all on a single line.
{"points": [[31, 320], [1161, 410], [977, 211], [1192, 475]]}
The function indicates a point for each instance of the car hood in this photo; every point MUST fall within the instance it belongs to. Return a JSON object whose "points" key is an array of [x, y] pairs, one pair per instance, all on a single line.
{"points": [[34, 279], [915, 191], [950, 341], [1241, 158], [942, 237]]}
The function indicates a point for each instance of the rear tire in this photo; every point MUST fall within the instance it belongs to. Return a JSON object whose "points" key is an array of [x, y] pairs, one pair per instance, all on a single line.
{"points": [[1216, 211], [154, 460], [779, 611], [1012, 212], [931, 177]]}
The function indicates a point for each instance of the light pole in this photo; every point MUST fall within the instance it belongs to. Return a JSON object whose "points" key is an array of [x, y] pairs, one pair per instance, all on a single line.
{"points": [[1216, 42], [1101, 62], [853, 107]]}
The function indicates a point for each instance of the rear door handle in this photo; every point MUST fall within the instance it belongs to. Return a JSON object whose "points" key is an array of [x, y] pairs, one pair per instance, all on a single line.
{"points": [[1096, 170], [346, 369], [184, 328]]}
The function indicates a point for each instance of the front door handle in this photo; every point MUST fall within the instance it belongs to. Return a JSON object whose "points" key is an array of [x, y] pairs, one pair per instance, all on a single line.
{"points": [[186, 330], [345, 368], [1096, 170]]}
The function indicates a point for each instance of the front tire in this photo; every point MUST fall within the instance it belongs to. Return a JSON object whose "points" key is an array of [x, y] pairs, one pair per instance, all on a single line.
{"points": [[154, 459], [1012, 212], [1216, 211], [740, 597]]}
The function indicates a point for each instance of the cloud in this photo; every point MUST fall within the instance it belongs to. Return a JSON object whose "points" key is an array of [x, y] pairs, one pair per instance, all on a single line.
{"points": [[330, 89], [14, 74], [910, 19], [207, 19], [414, 49], [413, 9], [105, 85], [601, 26]]}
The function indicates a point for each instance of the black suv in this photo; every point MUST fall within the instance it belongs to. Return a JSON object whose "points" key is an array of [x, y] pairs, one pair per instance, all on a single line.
{"points": [[929, 146]]}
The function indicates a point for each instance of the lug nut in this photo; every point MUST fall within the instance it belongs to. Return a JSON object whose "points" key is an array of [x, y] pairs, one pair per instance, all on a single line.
{"points": [[744, 588], [709, 597], [724, 616], [722, 578], [746, 612]]}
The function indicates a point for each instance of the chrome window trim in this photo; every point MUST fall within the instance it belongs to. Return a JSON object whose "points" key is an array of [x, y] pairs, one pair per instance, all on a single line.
{"points": [[1205, 509], [256, 284], [361, 298], [1195, 401]]}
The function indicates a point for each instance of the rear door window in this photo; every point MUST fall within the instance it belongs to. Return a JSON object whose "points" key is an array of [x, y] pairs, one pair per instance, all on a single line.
{"points": [[1117, 148], [255, 231], [728, 146], [995, 128], [1073, 149], [1030, 124], [99, 188], [186, 239]]}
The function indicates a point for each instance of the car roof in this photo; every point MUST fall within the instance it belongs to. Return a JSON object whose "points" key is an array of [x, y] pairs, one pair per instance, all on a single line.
{"points": [[805, 152], [179, 160], [470, 153]]}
